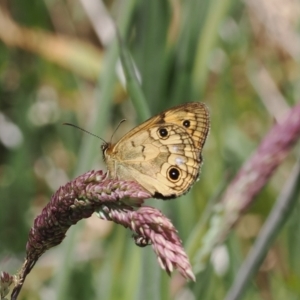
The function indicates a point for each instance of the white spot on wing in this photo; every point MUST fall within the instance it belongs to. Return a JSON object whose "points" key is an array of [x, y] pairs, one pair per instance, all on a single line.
{"points": [[179, 161]]}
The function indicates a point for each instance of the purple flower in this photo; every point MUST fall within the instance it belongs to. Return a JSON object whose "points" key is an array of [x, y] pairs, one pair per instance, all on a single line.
{"points": [[256, 172], [249, 181], [116, 200], [5, 281], [152, 227]]}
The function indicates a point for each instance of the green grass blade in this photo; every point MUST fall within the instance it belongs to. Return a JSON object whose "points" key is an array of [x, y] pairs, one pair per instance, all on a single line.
{"points": [[209, 35], [88, 152], [133, 86], [280, 213]]}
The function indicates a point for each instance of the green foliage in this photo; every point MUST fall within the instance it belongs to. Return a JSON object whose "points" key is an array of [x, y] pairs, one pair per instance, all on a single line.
{"points": [[184, 51]]}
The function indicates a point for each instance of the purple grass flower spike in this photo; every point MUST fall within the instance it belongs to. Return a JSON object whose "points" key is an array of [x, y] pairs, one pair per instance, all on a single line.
{"points": [[76, 200], [152, 226], [116, 200], [249, 181], [5, 281], [256, 172]]}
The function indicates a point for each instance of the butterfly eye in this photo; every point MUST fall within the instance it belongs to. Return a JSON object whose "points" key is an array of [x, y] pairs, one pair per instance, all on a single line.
{"points": [[173, 174], [163, 133], [186, 123]]}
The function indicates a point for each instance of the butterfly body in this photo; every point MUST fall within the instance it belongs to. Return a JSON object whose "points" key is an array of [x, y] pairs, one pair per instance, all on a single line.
{"points": [[163, 154]]}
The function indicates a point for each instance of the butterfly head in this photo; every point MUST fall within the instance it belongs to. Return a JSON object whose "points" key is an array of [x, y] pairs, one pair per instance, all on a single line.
{"points": [[104, 148], [107, 147]]}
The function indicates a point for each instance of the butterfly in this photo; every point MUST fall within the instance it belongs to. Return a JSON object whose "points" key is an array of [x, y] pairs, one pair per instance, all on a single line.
{"points": [[163, 154]]}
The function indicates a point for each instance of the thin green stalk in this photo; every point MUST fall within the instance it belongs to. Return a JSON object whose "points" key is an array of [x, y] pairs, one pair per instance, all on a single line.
{"points": [[209, 35], [150, 268], [88, 152], [192, 244], [149, 50], [194, 13], [86, 157], [279, 215], [133, 86]]}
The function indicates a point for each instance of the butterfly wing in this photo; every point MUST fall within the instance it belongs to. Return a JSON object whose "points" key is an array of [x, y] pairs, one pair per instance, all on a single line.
{"points": [[194, 118], [163, 154]]}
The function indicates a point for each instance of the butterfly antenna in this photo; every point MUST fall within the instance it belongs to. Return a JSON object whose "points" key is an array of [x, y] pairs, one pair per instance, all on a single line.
{"points": [[117, 129], [69, 124]]}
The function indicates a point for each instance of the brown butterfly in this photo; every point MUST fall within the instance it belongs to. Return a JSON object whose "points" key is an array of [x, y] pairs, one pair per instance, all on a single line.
{"points": [[163, 154]]}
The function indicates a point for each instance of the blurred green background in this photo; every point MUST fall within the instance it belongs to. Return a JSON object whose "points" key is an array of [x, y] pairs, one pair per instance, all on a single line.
{"points": [[59, 63]]}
